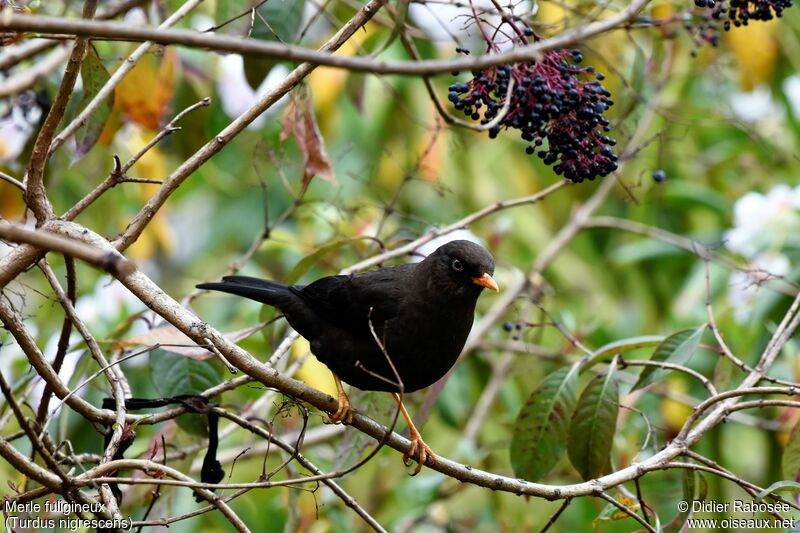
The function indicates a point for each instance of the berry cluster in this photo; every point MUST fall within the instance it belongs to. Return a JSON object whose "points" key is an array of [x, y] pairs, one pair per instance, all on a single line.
{"points": [[740, 12], [704, 31], [554, 99]]}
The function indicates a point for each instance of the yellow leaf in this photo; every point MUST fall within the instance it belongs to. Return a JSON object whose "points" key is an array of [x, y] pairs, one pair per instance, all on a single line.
{"points": [[157, 236], [312, 372], [429, 148], [614, 514], [552, 15], [11, 205], [111, 128], [674, 412], [326, 85], [754, 63], [390, 172], [145, 93], [152, 165], [662, 10]]}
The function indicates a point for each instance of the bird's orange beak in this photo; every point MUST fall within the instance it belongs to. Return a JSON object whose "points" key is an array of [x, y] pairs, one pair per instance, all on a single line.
{"points": [[486, 281]]}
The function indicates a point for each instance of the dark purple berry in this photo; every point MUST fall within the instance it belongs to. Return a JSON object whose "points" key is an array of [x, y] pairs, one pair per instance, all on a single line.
{"points": [[554, 100]]}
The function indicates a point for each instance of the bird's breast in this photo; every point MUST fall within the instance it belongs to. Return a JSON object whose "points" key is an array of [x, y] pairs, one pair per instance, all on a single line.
{"points": [[432, 333]]}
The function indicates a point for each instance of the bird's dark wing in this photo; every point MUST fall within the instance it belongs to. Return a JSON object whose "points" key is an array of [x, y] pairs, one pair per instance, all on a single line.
{"points": [[345, 301]]}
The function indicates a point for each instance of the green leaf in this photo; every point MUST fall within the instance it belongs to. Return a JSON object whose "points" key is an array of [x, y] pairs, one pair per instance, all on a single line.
{"points": [[723, 373], [622, 346], [792, 486], [228, 15], [305, 264], [591, 432], [643, 250], [690, 478], [276, 20], [702, 490], [676, 349], [540, 432], [790, 462], [174, 374], [94, 76], [684, 192]]}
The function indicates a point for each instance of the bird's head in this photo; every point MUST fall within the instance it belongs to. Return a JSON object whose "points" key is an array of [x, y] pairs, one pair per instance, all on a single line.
{"points": [[461, 268]]}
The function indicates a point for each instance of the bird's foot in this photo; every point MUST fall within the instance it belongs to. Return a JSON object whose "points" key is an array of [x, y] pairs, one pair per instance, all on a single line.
{"points": [[418, 446], [344, 413]]}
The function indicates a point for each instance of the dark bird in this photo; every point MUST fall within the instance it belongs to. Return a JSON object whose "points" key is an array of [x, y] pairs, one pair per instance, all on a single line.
{"points": [[396, 329]]}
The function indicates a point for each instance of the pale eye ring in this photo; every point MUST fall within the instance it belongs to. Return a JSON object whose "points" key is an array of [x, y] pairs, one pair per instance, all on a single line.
{"points": [[457, 265]]}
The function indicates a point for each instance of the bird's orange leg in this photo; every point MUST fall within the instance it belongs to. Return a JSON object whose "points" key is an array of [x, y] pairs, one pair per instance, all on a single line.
{"points": [[345, 412], [417, 444]]}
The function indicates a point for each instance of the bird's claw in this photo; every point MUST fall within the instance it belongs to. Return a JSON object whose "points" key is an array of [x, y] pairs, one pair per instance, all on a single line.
{"points": [[344, 413], [418, 446]]}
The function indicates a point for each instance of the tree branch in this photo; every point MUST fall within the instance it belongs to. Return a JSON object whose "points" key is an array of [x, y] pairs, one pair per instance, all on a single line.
{"points": [[35, 194], [112, 261], [111, 30]]}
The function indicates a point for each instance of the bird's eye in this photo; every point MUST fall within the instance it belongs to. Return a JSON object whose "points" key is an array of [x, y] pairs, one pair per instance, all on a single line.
{"points": [[457, 265]]}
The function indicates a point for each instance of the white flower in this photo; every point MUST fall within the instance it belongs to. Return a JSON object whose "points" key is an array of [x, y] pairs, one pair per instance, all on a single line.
{"points": [[429, 247], [106, 303], [743, 286], [762, 221], [237, 95], [755, 105], [17, 126], [12, 140], [791, 88], [135, 17]]}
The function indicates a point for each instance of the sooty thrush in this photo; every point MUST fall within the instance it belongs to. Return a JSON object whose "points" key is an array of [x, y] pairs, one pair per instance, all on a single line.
{"points": [[421, 313]]}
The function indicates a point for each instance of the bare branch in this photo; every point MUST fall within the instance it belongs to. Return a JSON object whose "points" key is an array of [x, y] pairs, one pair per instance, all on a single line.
{"points": [[35, 194], [110, 30], [112, 262]]}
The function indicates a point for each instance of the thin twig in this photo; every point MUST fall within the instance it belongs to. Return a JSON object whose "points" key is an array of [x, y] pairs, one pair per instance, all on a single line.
{"points": [[555, 516], [627, 511], [13, 181], [117, 174], [672, 366]]}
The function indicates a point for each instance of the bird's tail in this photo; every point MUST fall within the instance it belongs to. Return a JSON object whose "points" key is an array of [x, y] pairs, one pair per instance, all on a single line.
{"points": [[260, 290]]}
